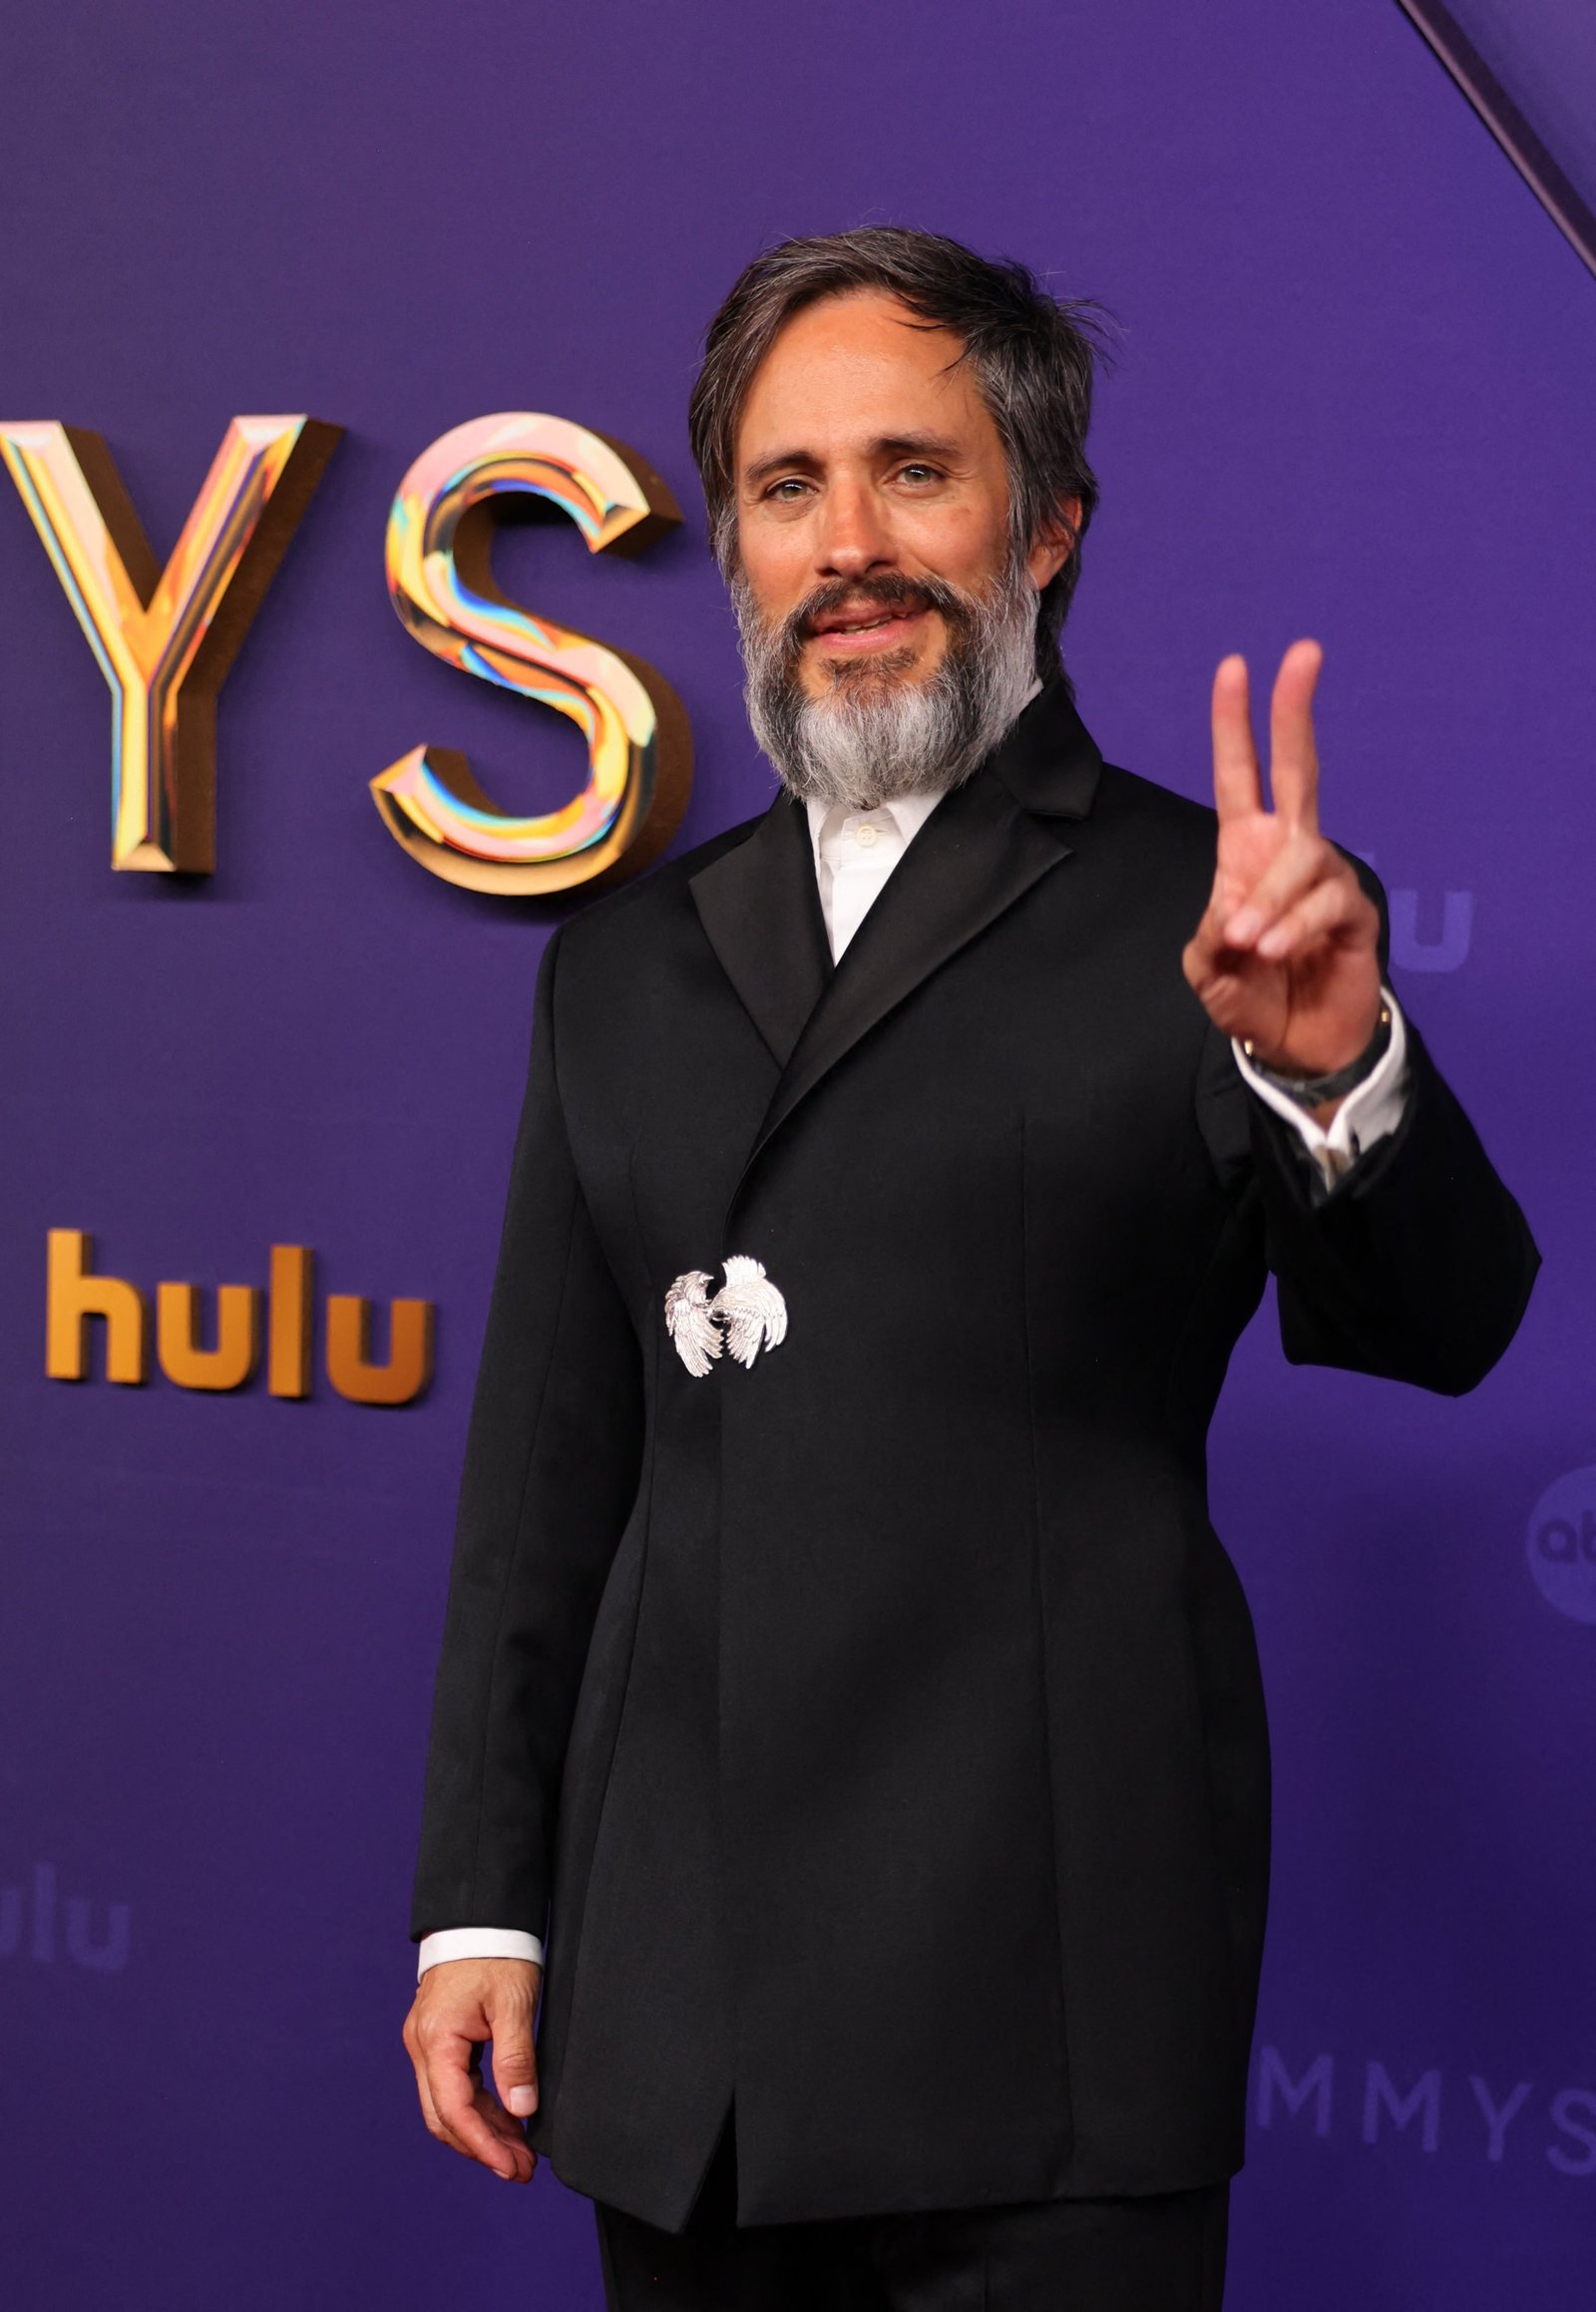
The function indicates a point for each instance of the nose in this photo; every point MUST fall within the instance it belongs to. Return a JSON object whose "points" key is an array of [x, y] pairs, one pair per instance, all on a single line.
{"points": [[854, 538]]}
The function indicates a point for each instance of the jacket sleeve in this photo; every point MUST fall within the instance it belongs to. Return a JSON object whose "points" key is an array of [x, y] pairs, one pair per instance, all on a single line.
{"points": [[1417, 1266], [551, 1472]]}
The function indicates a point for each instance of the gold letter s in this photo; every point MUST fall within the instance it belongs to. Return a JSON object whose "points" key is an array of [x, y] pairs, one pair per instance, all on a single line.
{"points": [[166, 638], [639, 750]]}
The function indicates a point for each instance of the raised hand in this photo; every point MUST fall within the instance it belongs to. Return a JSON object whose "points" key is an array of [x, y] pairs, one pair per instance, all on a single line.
{"points": [[1286, 957], [458, 2007]]}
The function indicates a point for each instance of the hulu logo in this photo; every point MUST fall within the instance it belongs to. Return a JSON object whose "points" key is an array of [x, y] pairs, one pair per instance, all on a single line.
{"points": [[91, 1934]]}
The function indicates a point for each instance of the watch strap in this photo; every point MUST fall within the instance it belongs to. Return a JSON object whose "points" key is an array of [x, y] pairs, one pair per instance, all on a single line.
{"points": [[1318, 1091]]}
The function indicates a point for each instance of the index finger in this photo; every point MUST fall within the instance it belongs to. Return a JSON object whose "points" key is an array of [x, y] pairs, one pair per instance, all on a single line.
{"points": [[1292, 753], [1238, 785]]}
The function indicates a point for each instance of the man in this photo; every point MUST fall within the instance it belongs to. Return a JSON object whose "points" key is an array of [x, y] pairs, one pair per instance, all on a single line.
{"points": [[839, 1656]]}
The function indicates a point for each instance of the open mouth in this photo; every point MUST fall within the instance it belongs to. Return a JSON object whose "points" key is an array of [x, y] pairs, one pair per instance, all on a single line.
{"points": [[866, 630]]}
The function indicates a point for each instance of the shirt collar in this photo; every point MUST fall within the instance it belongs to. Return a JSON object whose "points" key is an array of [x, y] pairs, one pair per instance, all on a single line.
{"points": [[908, 814]]}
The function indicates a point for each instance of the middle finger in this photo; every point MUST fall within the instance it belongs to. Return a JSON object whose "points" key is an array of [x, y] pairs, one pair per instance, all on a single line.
{"points": [[1292, 753]]}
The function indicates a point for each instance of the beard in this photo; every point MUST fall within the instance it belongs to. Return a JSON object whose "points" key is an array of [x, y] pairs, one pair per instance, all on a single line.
{"points": [[878, 733]]}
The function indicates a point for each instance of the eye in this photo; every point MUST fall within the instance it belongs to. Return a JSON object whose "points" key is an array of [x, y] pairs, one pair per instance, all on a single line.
{"points": [[787, 490], [919, 471]]}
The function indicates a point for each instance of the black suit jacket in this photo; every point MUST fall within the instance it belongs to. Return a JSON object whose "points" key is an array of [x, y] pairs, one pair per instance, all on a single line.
{"points": [[878, 1733]]}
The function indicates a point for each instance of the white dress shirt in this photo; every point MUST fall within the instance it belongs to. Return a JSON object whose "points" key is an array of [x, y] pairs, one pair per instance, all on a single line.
{"points": [[855, 853]]}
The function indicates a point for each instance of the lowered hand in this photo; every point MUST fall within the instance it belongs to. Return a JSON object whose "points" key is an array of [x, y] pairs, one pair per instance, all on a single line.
{"points": [[458, 2008]]}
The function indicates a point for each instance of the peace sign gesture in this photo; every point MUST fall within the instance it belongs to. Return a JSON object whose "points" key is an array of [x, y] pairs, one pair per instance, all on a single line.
{"points": [[1286, 957]]}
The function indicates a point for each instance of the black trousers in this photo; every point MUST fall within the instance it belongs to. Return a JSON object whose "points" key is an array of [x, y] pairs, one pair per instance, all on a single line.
{"points": [[1161, 2254]]}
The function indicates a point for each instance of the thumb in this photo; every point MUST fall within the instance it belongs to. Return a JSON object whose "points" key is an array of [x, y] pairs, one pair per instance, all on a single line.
{"points": [[515, 2065]]}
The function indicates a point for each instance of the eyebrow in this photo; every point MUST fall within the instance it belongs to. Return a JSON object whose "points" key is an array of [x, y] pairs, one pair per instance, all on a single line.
{"points": [[885, 446]]}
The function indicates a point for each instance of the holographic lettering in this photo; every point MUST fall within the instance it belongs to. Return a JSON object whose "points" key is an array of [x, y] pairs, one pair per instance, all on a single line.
{"points": [[164, 638], [640, 749]]}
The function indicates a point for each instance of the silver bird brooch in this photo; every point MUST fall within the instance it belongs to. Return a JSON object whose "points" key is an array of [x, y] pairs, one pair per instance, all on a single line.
{"points": [[746, 1315]]}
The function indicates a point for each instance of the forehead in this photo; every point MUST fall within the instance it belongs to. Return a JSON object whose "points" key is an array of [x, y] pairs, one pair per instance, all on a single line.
{"points": [[858, 368]]}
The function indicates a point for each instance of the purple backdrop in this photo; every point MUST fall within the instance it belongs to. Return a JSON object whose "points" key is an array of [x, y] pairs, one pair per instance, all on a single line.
{"points": [[1354, 400]]}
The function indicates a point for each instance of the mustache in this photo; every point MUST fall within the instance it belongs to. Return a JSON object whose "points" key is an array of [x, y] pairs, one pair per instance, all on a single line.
{"points": [[884, 594]]}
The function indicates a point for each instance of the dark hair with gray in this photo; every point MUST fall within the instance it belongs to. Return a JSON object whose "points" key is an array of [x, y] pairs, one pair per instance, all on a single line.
{"points": [[1033, 355]]}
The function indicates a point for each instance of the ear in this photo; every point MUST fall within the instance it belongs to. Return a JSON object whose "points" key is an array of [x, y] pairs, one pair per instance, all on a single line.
{"points": [[1054, 543]]}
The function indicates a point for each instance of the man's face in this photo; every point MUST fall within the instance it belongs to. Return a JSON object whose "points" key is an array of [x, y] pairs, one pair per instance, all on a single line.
{"points": [[869, 469]]}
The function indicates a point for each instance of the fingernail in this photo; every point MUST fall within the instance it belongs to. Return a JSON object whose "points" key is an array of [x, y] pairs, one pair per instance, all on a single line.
{"points": [[1243, 927], [523, 2101], [1274, 943]]}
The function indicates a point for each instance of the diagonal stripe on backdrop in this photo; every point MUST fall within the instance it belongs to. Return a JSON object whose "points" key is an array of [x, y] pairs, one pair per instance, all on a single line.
{"points": [[1528, 68]]}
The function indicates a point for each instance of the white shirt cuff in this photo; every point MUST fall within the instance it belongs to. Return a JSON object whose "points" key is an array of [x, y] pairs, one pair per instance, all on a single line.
{"points": [[1367, 1115], [476, 1943]]}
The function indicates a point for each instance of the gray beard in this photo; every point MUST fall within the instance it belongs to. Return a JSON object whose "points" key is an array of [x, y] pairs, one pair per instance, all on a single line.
{"points": [[878, 735]]}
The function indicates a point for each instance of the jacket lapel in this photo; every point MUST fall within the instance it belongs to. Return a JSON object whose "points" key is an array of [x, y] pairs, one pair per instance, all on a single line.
{"points": [[981, 849], [760, 911]]}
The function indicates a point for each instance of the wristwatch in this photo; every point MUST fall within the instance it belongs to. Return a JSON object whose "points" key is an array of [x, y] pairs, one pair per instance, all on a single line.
{"points": [[1318, 1091]]}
